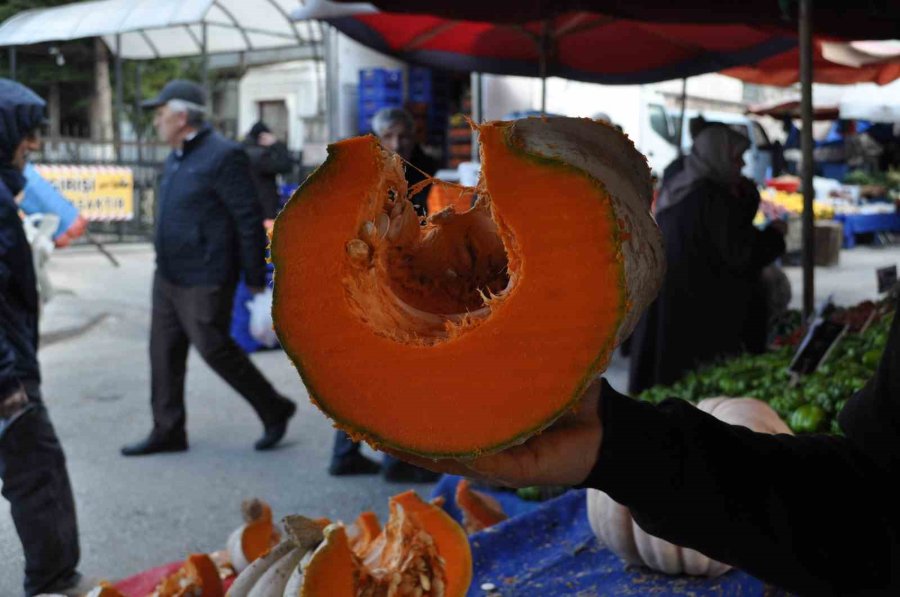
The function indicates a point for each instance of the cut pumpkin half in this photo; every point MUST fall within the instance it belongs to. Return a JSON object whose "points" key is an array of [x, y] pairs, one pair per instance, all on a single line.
{"points": [[466, 333]]}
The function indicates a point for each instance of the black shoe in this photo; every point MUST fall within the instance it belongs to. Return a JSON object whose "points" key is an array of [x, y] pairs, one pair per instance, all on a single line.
{"points": [[354, 465], [403, 472], [273, 432], [154, 444]]}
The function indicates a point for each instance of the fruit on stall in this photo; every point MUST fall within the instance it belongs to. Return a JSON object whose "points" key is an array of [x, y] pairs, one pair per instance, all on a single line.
{"points": [[479, 509], [407, 331], [614, 526], [811, 403], [197, 577], [419, 551], [254, 537]]}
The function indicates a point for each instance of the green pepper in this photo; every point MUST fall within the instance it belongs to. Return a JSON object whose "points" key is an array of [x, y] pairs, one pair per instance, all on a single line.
{"points": [[807, 419], [871, 358]]}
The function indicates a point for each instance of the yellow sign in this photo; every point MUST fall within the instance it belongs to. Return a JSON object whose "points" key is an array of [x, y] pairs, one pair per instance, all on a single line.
{"points": [[101, 193]]}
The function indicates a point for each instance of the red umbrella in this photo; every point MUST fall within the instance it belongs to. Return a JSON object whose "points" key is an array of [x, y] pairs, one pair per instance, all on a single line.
{"points": [[782, 70], [859, 20], [577, 45]]}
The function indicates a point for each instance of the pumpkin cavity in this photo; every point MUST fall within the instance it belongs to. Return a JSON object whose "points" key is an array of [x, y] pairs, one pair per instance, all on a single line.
{"points": [[424, 281]]}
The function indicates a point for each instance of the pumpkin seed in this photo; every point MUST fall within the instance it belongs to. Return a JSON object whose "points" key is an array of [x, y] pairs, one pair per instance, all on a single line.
{"points": [[358, 250], [381, 224]]}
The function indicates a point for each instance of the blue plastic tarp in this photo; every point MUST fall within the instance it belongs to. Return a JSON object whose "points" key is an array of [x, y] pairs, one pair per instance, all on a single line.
{"points": [[549, 549]]}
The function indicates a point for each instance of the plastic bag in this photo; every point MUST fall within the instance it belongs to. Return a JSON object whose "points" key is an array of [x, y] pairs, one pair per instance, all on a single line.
{"points": [[260, 309]]}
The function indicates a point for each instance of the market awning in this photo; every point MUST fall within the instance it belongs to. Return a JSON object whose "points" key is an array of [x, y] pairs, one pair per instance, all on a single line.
{"points": [[790, 108], [783, 70], [576, 45], [843, 20], [164, 28]]}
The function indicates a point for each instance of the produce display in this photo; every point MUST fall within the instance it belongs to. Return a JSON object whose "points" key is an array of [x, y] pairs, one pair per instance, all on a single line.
{"points": [[468, 332], [421, 551], [198, 577], [812, 402], [256, 536], [776, 204], [614, 526]]}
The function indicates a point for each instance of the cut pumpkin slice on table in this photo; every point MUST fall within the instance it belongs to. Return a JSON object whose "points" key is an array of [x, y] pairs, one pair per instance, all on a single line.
{"points": [[469, 332]]}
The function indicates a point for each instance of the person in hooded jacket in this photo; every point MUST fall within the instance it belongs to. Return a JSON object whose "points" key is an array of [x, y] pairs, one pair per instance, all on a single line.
{"points": [[714, 256], [269, 157], [32, 463]]}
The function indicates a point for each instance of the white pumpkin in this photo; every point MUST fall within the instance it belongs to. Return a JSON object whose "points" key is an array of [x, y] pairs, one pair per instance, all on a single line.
{"points": [[614, 526], [272, 574], [255, 536]]}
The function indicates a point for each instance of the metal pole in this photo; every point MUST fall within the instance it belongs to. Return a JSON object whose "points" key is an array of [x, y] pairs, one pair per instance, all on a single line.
{"points": [[806, 144], [204, 66], [12, 62], [681, 122], [138, 137], [332, 83], [542, 63], [477, 111], [117, 128]]}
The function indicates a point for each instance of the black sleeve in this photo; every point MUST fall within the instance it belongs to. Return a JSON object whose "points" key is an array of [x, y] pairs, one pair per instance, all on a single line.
{"points": [[814, 514], [740, 246], [275, 159], [235, 188]]}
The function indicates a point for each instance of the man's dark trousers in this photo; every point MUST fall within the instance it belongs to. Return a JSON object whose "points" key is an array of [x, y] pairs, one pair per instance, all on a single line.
{"points": [[199, 316], [36, 484]]}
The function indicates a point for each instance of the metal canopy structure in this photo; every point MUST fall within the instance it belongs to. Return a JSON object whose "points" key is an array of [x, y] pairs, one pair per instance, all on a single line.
{"points": [[147, 29]]}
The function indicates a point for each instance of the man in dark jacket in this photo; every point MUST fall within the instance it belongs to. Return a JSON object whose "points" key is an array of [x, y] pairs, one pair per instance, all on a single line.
{"points": [[209, 229], [32, 463], [269, 157]]}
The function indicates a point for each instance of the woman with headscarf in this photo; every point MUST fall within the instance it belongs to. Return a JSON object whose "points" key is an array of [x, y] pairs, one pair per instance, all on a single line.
{"points": [[715, 256]]}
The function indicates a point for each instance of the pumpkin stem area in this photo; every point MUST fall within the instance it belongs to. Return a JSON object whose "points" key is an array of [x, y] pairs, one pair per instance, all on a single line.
{"points": [[425, 281]]}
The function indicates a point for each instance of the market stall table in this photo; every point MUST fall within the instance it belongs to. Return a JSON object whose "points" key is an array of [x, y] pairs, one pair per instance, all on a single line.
{"points": [[548, 548], [861, 223]]}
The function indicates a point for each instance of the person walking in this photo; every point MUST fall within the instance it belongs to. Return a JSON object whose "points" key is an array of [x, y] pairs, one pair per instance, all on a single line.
{"points": [[269, 157], [209, 230], [32, 463]]}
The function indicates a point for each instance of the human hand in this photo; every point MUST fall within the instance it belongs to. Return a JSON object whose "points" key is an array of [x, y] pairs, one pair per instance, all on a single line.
{"points": [[563, 454], [266, 139], [13, 403]]}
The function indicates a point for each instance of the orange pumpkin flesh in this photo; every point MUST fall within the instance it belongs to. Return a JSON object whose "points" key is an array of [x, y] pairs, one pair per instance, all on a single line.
{"points": [[197, 577], [259, 534], [462, 336], [334, 568], [419, 547], [480, 511]]}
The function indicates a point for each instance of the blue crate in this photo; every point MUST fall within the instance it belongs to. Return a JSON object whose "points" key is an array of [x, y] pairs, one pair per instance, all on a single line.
{"points": [[381, 95], [380, 78]]}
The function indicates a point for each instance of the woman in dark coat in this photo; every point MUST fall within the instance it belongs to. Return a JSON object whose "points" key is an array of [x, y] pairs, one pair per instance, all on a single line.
{"points": [[714, 255], [269, 157]]}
